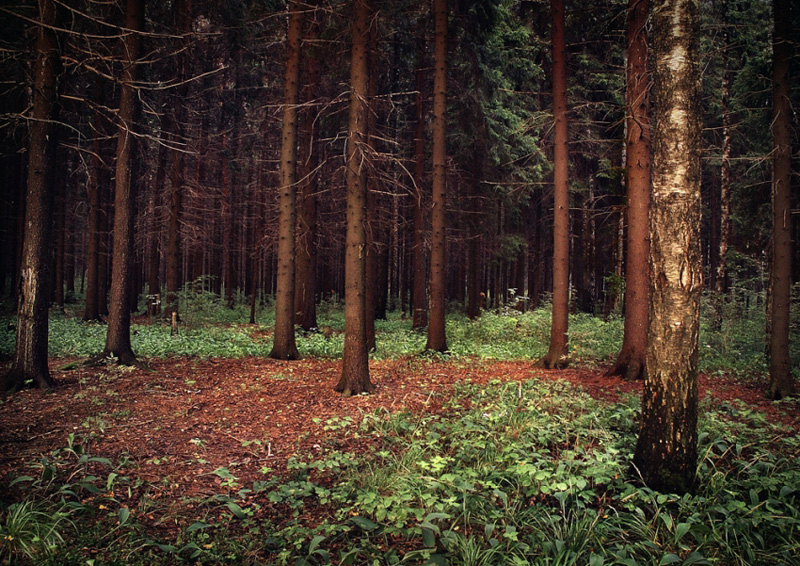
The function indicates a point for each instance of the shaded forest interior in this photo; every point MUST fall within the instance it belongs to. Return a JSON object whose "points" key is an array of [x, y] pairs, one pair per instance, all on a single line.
{"points": [[206, 150]]}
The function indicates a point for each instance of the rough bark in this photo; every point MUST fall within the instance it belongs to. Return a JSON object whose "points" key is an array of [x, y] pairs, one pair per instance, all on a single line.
{"points": [[557, 352], [355, 358], [118, 336], [780, 373], [284, 346], [666, 450], [631, 359], [30, 356], [437, 337]]}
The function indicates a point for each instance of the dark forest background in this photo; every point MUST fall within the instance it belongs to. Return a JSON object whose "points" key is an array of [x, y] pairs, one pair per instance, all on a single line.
{"points": [[207, 133]]}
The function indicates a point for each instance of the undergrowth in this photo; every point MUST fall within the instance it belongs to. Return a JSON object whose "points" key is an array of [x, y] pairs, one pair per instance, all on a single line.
{"points": [[507, 473], [209, 329]]}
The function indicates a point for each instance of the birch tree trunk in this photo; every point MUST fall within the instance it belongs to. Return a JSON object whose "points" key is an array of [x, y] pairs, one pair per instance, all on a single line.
{"points": [[666, 451]]}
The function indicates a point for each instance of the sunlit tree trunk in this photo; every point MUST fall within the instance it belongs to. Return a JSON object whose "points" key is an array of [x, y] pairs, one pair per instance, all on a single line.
{"points": [[437, 338], [284, 346], [631, 360], [355, 357], [666, 451], [557, 352], [781, 383], [30, 355], [118, 336]]}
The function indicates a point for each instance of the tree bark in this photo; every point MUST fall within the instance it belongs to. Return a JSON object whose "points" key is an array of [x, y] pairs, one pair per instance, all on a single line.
{"points": [[355, 357], [631, 359], [666, 450], [780, 373], [557, 352], [720, 283], [284, 346], [419, 298], [437, 337], [30, 356], [92, 301], [305, 304], [118, 337]]}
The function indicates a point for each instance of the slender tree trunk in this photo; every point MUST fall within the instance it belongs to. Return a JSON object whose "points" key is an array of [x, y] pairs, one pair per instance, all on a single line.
{"points": [[666, 451], [419, 298], [175, 210], [355, 357], [30, 355], [720, 285], [631, 359], [284, 346], [557, 352], [437, 338], [118, 337], [305, 288], [91, 311], [780, 373]]}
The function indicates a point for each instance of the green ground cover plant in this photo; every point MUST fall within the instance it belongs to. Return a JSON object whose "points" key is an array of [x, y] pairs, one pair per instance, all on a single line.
{"points": [[209, 329], [506, 473]]}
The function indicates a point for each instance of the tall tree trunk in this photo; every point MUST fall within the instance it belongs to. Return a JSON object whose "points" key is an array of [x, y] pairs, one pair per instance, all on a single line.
{"points": [[284, 346], [666, 451], [30, 355], [175, 210], [305, 288], [355, 357], [118, 337], [720, 285], [419, 298], [91, 310], [557, 352], [781, 383], [437, 337], [631, 359]]}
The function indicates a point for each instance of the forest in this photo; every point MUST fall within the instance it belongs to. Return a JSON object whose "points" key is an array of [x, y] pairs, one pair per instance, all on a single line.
{"points": [[399, 282]]}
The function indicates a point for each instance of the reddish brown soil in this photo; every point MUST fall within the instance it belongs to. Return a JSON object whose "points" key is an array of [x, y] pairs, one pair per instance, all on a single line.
{"points": [[185, 418]]}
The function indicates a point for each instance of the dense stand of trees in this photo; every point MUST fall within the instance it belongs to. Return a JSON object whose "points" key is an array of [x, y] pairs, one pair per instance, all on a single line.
{"points": [[405, 155]]}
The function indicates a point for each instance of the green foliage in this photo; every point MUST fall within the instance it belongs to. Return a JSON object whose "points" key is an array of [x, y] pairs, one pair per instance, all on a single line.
{"points": [[30, 530], [532, 472]]}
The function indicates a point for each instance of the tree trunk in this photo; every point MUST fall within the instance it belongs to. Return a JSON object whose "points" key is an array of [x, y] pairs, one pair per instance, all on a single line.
{"points": [[780, 373], [91, 311], [284, 346], [30, 355], [419, 298], [631, 359], [720, 283], [437, 338], [305, 288], [666, 451], [118, 337], [355, 358], [557, 352]]}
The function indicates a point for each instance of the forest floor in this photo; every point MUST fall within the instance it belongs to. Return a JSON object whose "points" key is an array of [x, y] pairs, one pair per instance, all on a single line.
{"points": [[185, 418]]}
